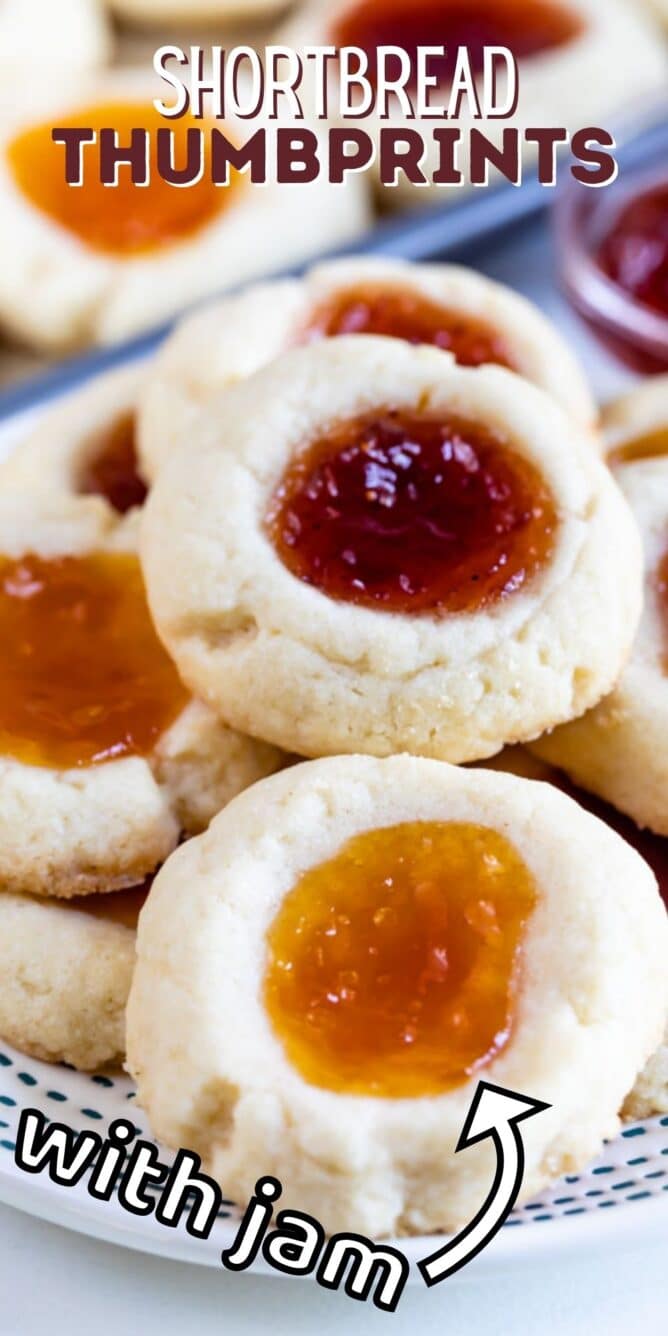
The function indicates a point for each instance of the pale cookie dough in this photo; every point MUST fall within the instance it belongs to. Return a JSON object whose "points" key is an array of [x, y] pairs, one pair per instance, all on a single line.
{"points": [[87, 295], [40, 37], [157, 12], [107, 826], [589, 1010], [649, 1095], [620, 749], [64, 981], [275, 655], [615, 61], [227, 341]]}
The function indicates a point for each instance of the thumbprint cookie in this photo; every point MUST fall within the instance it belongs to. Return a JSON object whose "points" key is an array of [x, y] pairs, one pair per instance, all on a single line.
{"points": [[445, 305], [134, 254], [619, 750], [650, 1092], [384, 933], [38, 37], [65, 972], [578, 63], [370, 548]]}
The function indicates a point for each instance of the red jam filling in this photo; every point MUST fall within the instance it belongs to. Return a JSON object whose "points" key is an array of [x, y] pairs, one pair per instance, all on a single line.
{"points": [[393, 968], [400, 313], [413, 514], [634, 252], [113, 470], [83, 676], [526, 27]]}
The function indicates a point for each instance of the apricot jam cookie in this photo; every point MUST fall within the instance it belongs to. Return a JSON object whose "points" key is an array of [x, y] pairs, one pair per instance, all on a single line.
{"points": [[105, 759], [65, 972], [650, 1093], [619, 749], [134, 255], [441, 304], [38, 36], [383, 934], [370, 548], [580, 62]]}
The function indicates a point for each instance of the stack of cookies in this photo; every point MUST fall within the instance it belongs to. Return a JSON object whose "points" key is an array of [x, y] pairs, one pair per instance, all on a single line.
{"points": [[364, 518]]}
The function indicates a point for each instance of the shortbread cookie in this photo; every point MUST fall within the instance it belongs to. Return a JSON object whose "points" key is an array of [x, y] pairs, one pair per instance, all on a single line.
{"points": [[580, 63], [132, 255], [650, 1092], [369, 548], [445, 305], [65, 972], [385, 933], [105, 760], [38, 37], [619, 749], [157, 12]]}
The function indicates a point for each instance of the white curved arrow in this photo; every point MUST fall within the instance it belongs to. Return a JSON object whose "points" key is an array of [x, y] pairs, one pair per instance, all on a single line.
{"points": [[495, 1112]]}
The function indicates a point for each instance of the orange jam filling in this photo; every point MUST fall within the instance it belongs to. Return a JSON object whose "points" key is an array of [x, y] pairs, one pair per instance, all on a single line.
{"points": [[400, 313], [113, 471], [394, 968], [526, 27], [413, 514], [83, 676], [123, 219], [652, 445], [114, 906]]}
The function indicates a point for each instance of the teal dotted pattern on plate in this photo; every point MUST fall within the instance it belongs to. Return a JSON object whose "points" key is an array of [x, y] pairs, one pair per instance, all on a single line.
{"points": [[633, 1167]]}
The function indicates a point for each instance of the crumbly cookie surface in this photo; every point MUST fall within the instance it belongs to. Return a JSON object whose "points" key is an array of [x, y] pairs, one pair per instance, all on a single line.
{"points": [[618, 750], [64, 982], [231, 338], [109, 296], [102, 827], [589, 1012], [316, 675]]}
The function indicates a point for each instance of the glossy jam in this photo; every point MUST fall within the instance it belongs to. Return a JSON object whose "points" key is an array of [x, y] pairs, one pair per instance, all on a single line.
{"points": [[652, 445], [400, 313], [413, 514], [526, 27], [394, 968], [634, 252], [83, 676], [124, 219], [115, 906], [113, 472]]}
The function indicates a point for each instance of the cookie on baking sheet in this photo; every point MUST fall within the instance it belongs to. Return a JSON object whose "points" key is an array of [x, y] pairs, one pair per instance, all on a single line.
{"points": [[442, 304], [157, 12], [38, 36], [112, 260], [369, 548], [105, 758], [619, 750], [65, 972], [386, 932], [580, 63], [650, 1093]]}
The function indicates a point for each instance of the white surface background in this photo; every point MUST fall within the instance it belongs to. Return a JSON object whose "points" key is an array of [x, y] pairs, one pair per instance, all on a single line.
{"points": [[56, 1282]]}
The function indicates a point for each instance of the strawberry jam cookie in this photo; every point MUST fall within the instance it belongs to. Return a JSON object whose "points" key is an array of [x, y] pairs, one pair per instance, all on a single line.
{"points": [[370, 548], [618, 750], [579, 62], [105, 759], [38, 37], [650, 1092], [386, 932], [445, 305], [134, 254], [65, 972]]}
